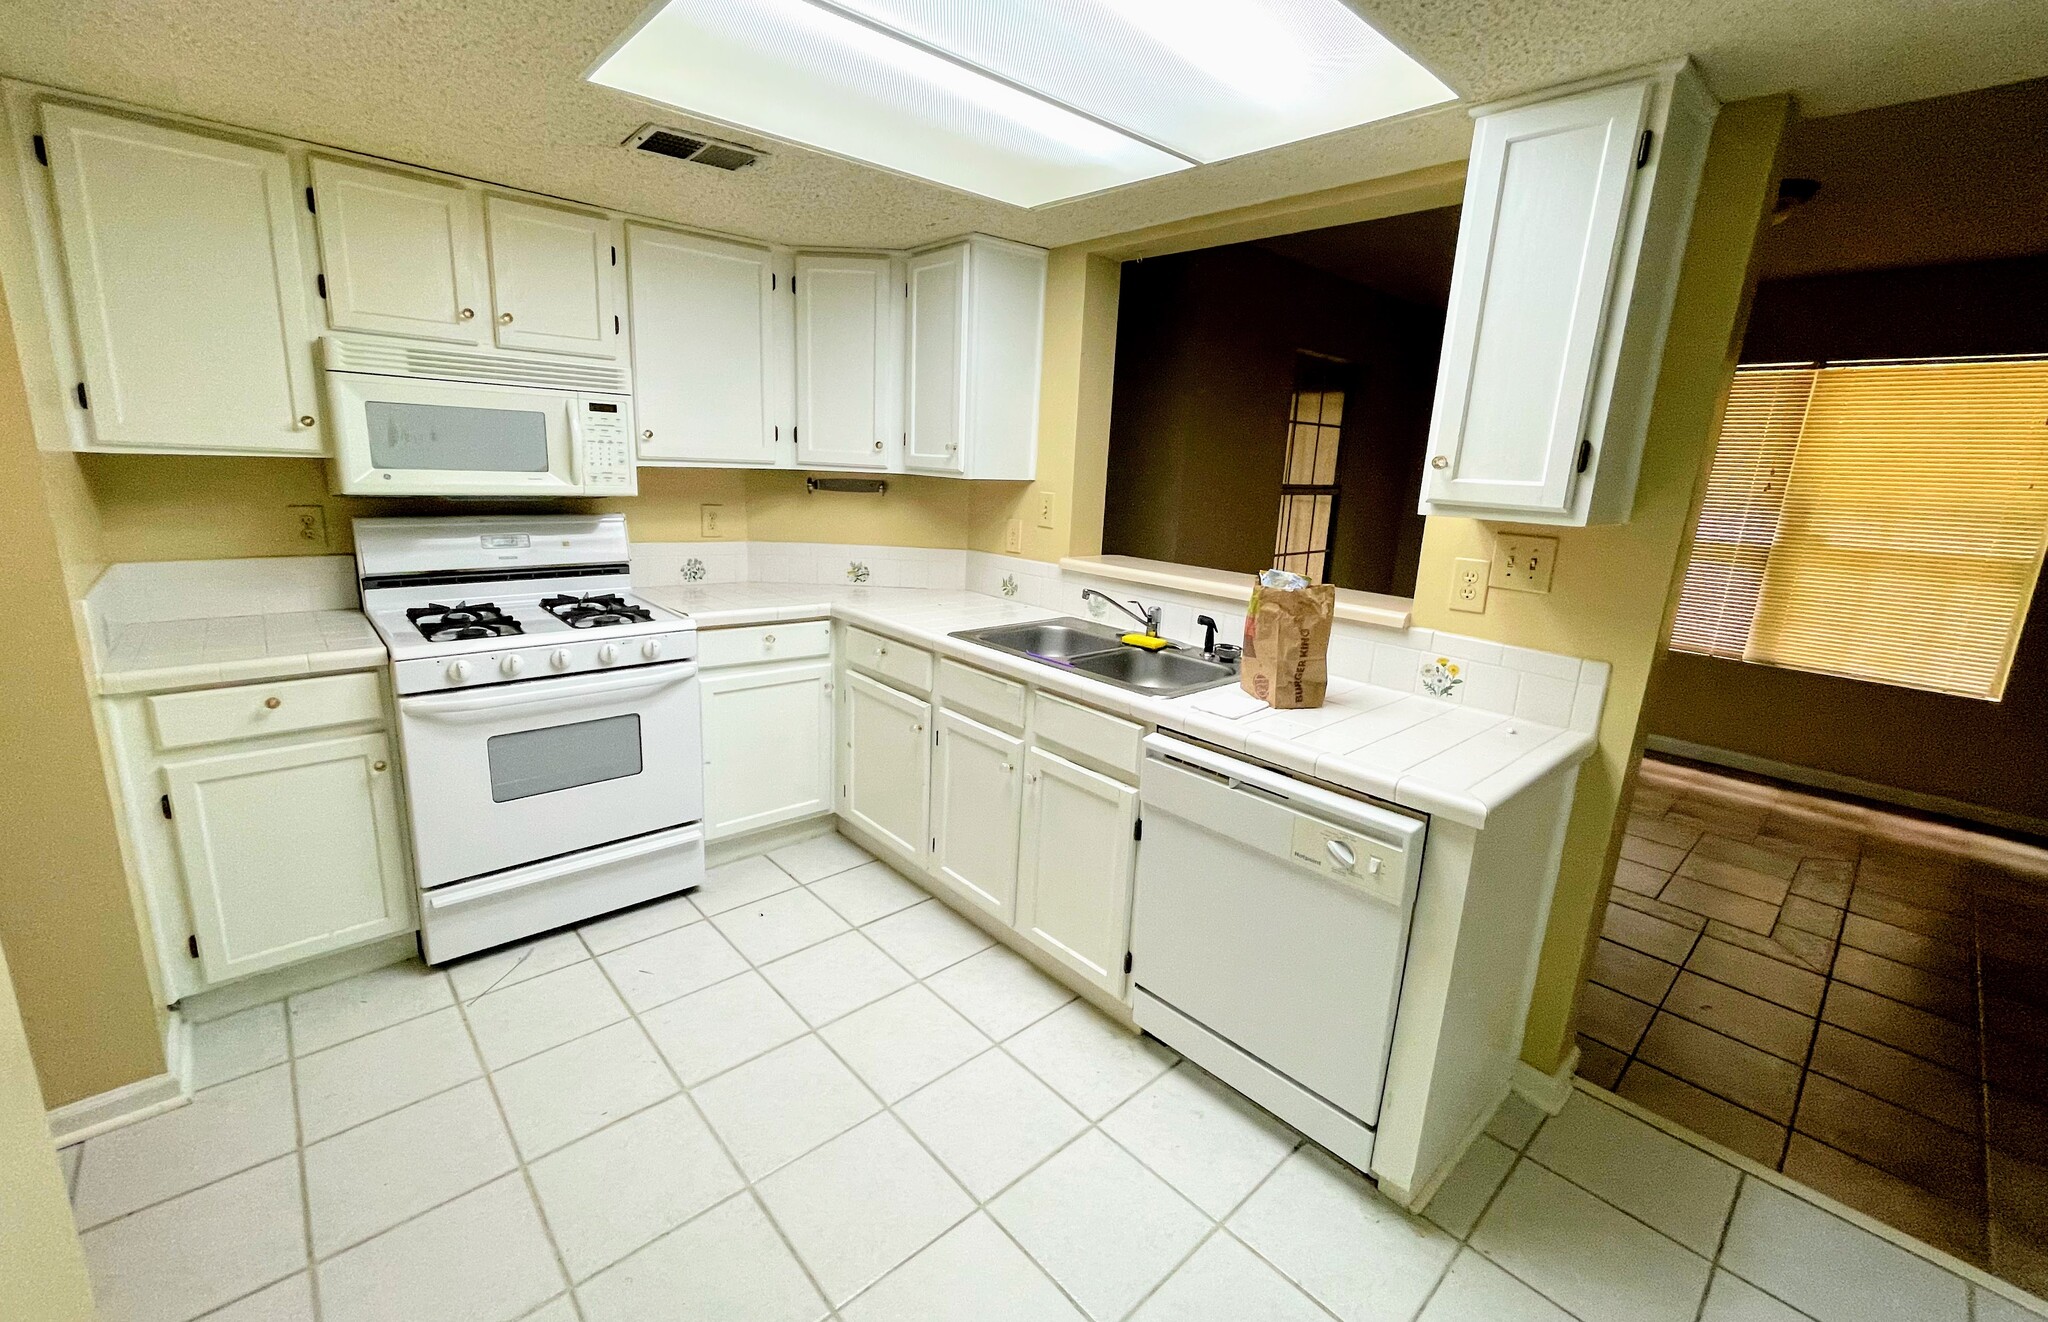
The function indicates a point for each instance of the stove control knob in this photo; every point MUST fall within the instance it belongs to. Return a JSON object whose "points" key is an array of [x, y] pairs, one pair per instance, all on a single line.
{"points": [[607, 654], [560, 659], [651, 648], [511, 665], [458, 671]]}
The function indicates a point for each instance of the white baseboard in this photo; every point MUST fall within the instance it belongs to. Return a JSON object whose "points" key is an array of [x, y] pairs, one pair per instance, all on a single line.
{"points": [[734, 848], [89, 1117], [1549, 1092]]}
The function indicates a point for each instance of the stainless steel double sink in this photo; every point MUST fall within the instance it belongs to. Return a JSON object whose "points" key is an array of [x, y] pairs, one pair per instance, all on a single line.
{"points": [[1094, 650]]}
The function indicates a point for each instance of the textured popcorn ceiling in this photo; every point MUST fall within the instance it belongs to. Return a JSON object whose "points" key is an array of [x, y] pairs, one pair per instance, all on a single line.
{"points": [[493, 89]]}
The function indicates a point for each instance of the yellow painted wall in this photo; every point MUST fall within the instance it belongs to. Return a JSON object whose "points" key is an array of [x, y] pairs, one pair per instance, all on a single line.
{"points": [[42, 1270], [916, 511], [67, 917], [1609, 598]]}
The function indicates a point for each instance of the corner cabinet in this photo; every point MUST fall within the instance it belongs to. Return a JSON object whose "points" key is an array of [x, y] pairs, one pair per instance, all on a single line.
{"points": [[1575, 218], [848, 356], [187, 291], [973, 344]]}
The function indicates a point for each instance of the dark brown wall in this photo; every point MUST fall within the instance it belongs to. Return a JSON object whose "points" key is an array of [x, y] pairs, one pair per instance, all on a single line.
{"points": [[1984, 753], [1205, 360]]}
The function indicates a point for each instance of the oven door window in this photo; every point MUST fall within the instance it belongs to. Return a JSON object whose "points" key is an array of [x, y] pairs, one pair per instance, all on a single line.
{"points": [[561, 757], [456, 438]]}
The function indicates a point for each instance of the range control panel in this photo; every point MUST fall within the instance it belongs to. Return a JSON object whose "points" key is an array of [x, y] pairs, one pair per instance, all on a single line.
{"points": [[1351, 859], [604, 426]]}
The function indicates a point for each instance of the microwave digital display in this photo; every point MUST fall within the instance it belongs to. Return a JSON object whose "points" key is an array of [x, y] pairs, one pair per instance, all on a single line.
{"points": [[452, 438], [602, 408]]}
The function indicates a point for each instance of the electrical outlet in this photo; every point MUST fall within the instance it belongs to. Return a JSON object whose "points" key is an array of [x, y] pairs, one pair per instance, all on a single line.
{"points": [[1468, 585], [1013, 537], [711, 521], [1523, 563], [309, 523], [1045, 509]]}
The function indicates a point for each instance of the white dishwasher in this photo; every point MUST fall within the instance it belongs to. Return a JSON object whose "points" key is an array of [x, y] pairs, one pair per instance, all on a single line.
{"points": [[1268, 932]]}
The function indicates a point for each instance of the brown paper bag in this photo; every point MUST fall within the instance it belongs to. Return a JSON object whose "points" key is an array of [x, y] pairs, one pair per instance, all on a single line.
{"points": [[1287, 641]]}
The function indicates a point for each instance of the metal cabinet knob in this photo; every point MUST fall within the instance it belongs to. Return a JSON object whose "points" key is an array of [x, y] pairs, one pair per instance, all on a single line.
{"points": [[647, 435], [467, 314], [1441, 461], [376, 766], [305, 419], [504, 319], [878, 445], [273, 703], [768, 640]]}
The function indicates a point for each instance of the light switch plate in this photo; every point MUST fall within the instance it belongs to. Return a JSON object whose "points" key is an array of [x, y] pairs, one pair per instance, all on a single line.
{"points": [[1468, 585], [1523, 563], [711, 519], [1045, 509]]}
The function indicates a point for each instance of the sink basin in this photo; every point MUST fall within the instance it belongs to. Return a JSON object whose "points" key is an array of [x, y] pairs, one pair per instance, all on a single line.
{"points": [[1163, 674], [1051, 640]]}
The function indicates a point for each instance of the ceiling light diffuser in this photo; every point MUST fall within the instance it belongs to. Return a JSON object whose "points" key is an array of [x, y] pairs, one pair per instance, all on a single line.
{"points": [[1025, 101]]}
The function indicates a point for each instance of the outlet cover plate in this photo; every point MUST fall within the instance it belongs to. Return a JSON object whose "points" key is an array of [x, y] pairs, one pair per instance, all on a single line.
{"points": [[711, 521], [1523, 563], [1013, 537], [1468, 585]]}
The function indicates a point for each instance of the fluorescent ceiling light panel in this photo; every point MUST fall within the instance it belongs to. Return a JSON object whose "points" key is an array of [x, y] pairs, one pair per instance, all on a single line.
{"points": [[1025, 101]]}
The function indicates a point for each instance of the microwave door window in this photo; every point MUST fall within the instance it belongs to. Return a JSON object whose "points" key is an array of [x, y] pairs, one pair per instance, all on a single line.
{"points": [[452, 438], [562, 757]]}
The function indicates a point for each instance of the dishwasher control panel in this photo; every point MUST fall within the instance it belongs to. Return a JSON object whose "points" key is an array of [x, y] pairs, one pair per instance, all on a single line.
{"points": [[1349, 858]]}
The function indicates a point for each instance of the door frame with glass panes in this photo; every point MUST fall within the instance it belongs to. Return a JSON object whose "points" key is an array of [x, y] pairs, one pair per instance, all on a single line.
{"points": [[1309, 488]]}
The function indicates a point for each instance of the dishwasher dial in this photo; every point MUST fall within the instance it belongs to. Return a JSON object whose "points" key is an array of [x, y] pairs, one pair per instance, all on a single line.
{"points": [[1341, 854]]}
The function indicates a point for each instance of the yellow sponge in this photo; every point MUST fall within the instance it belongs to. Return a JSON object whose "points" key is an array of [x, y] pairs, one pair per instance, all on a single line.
{"points": [[1145, 641]]}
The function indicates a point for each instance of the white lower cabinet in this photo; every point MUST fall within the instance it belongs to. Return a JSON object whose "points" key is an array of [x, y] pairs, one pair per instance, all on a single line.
{"points": [[888, 765], [1074, 874], [767, 746], [977, 802], [289, 851]]}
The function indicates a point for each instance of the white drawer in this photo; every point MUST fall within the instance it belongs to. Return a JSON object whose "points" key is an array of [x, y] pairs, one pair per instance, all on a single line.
{"points": [[899, 663], [767, 642], [1110, 744], [998, 701], [253, 711]]}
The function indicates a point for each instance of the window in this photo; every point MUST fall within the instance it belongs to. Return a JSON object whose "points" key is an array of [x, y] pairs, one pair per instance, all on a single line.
{"points": [[1882, 522], [1308, 484]]}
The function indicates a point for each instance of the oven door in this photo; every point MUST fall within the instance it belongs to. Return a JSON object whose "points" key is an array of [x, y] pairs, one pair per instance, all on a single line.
{"points": [[408, 436], [512, 774]]}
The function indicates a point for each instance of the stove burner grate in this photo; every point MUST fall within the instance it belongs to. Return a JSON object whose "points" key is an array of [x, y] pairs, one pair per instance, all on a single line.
{"points": [[595, 611], [465, 619]]}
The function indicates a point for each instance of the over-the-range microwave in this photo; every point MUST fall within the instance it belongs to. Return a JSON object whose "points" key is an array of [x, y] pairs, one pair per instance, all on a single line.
{"points": [[426, 420]]}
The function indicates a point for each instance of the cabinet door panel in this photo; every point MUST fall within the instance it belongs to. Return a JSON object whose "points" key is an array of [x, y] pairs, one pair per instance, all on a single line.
{"points": [[767, 747], [290, 852], [552, 279], [888, 764], [401, 253], [1074, 879], [935, 385], [187, 286], [1546, 203], [977, 799], [702, 322], [845, 352]]}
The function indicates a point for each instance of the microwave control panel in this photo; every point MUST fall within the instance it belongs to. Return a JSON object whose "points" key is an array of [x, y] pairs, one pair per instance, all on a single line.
{"points": [[605, 427]]}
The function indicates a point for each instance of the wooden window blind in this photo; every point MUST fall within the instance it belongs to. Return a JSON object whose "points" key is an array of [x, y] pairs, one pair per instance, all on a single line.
{"points": [[1904, 544]]}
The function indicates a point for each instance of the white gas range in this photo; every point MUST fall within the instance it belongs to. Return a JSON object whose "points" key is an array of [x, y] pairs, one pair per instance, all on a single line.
{"points": [[548, 717]]}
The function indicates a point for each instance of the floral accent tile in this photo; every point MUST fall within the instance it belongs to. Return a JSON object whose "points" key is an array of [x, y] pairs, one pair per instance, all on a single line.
{"points": [[856, 572], [1442, 677], [1009, 585], [693, 570]]}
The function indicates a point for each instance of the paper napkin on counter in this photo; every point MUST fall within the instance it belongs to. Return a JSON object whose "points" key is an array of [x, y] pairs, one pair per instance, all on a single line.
{"points": [[1232, 704]]}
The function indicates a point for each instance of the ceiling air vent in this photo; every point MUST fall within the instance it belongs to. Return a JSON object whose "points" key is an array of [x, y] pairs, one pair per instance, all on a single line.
{"points": [[686, 147]]}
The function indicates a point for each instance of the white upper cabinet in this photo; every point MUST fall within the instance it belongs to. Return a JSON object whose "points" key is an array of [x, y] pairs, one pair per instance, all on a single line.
{"points": [[1575, 216], [847, 361], [554, 276], [188, 294], [705, 349], [402, 254], [973, 341]]}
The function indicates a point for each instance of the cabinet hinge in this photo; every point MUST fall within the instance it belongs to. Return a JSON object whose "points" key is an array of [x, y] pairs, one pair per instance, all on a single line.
{"points": [[320, 283], [1127, 961], [42, 152], [792, 284], [1138, 829], [309, 200], [1585, 454], [906, 289], [615, 323], [164, 802], [1643, 150], [778, 433], [615, 254], [83, 402], [773, 277], [192, 945], [792, 435]]}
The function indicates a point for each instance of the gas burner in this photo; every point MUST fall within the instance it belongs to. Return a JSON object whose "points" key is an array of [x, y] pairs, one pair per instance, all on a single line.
{"points": [[596, 611], [465, 619]]}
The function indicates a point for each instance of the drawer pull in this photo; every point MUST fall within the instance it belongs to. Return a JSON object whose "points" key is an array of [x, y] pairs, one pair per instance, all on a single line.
{"points": [[273, 703], [768, 640]]}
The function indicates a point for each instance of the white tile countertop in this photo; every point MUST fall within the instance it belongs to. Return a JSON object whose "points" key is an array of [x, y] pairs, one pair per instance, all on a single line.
{"points": [[1423, 752], [152, 656]]}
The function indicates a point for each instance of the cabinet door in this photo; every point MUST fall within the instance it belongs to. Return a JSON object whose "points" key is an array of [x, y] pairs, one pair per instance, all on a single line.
{"points": [[888, 763], [767, 746], [935, 346], [702, 315], [1074, 877], [552, 279], [977, 798], [186, 284], [290, 851], [844, 357], [1546, 203], [402, 254]]}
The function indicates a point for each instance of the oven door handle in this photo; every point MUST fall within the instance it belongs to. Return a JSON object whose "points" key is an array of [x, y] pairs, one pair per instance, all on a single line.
{"points": [[562, 694]]}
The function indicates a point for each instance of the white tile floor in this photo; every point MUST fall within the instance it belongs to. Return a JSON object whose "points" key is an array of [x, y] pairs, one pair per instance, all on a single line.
{"points": [[808, 1092]]}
